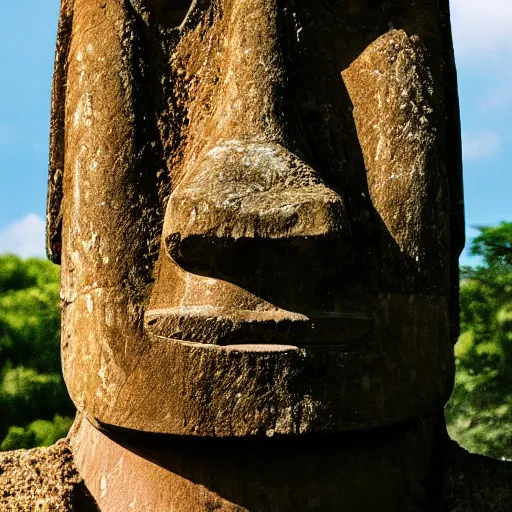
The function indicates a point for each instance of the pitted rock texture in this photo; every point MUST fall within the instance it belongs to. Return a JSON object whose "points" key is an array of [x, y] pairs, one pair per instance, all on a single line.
{"points": [[42, 480]]}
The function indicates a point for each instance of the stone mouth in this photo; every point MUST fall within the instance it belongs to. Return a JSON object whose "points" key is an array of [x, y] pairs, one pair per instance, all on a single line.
{"points": [[250, 330]]}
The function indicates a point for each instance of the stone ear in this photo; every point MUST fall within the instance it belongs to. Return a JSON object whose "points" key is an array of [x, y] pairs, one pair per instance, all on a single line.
{"points": [[56, 164], [400, 120]]}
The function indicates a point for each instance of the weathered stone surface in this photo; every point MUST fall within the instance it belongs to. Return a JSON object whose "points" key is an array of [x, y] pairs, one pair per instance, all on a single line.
{"points": [[257, 210], [413, 467], [43, 480], [275, 389]]}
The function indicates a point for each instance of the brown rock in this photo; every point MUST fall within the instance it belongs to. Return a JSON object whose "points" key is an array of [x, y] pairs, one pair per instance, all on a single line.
{"points": [[43, 479]]}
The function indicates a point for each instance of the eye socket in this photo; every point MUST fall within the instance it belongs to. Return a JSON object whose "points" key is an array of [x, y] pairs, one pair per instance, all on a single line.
{"points": [[170, 13]]}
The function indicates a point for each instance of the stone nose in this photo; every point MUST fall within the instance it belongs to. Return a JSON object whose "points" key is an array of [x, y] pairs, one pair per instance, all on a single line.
{"points": [[255, 200], [250, 196]]}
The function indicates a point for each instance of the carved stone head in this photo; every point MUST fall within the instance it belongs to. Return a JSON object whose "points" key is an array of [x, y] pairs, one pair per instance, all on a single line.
{"points": [[257, 206]]}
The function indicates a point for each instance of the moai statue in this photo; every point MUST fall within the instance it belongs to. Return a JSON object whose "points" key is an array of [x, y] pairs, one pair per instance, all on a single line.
{"points": [[257, 206]]}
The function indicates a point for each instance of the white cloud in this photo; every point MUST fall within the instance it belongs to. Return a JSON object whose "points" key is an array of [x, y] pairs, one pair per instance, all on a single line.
{"points": [[24, 237], [482, 27], [480, 145]]}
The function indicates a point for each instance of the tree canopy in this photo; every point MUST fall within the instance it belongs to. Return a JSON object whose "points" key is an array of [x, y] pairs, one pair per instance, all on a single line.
{"points": [[479, 413], [35, 409]]}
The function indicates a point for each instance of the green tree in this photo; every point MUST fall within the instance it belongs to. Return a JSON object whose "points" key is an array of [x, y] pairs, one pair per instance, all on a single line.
{"points": [[479, 414], [35, 408]]}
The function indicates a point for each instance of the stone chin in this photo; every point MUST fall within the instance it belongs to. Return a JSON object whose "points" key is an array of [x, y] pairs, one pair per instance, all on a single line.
{"points": [[233, 386]]}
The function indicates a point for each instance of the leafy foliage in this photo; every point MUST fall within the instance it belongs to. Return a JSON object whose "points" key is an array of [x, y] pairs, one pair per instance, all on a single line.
{"points": [[35, 408], [479, 414], [37, 433]]}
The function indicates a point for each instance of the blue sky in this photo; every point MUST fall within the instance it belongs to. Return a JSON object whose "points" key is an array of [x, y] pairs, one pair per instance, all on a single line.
{"points": [[483, 45]]}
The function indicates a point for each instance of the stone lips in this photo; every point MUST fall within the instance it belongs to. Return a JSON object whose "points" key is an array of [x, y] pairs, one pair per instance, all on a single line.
{"points": [[230, 327], [207, 390]]}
